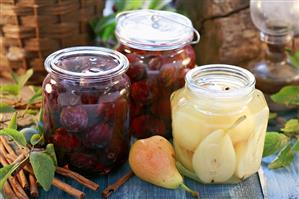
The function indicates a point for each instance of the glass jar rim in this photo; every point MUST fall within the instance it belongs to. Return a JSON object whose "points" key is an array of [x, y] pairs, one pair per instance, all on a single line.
{"points": [[158, 30], [52, 60], [196, 77]]}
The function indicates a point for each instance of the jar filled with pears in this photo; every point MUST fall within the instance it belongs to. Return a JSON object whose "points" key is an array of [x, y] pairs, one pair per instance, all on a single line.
{"points": [[219, 122]]}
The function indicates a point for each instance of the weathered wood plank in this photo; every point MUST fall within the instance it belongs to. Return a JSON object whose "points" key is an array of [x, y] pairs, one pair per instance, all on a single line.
{"points": [[282, 183], [135, 189]]}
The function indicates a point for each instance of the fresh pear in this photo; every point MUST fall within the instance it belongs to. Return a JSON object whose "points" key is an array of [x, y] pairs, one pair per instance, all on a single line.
{"points": [[249, 153], [153, 160], [214, 160]]}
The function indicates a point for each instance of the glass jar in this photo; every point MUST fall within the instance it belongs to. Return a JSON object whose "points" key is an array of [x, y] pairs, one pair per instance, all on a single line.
{"points": [[219, 121], [160, 55], [86, 108]]}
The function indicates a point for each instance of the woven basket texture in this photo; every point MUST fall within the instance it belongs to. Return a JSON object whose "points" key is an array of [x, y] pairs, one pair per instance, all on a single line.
{"points": [[32, 29]]}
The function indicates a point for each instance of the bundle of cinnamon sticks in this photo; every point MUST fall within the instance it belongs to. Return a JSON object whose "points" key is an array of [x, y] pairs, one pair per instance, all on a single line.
{"points": [[23, 183]]}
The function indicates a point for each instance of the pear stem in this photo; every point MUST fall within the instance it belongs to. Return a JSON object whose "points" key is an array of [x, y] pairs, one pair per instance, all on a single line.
{"points": [[194, 193]]}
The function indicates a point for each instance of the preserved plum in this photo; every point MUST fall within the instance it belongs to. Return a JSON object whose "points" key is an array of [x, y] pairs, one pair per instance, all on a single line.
{"points": [[86, 108], [159, 59]]}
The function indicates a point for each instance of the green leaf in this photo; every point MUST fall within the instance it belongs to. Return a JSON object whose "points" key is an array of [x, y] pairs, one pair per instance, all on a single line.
{"points": [[133, 4], [103, 23], [36, 139], [5, 172], [5, 108], [291, 127], [294, 59], [43, 168], [272, 116], [13, 122], [108, 32], [283, 159], [157, 4], [274, 141], [36, 97], [21, 80], [13, 89], [51, 151], [296, 146], [288, 95], [31, 112], [120, 5], [14, 134]]}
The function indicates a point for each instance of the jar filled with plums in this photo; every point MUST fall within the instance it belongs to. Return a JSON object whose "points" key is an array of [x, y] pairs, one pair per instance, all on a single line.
{"points": [[86, 108], [158, 47], [219, 123]]}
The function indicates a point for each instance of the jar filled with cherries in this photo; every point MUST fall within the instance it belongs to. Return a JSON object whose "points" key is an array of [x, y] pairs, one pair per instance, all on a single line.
{"points": [[158, 47], [86, 108]]}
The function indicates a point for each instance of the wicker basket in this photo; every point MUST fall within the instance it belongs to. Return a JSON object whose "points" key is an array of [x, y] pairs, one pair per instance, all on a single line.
{"points": [[32, 29]]}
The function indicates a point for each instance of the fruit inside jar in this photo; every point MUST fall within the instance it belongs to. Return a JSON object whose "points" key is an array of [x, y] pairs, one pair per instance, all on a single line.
{"points": [[224, 124], [160, 55], [86, 108]]}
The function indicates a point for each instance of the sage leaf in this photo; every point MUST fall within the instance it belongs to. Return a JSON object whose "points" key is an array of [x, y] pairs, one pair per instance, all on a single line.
{"points": [[43, 168], [274, 141], [283, 159], [291, 127], [21, 80], [288, 95], [15, 135], [12, 89], [36, 97], [5, 172], [51, 151], [13, 122], [5, 108], [294, 59]]}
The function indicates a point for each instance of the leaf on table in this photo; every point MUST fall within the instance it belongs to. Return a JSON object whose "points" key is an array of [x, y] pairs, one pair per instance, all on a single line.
{"points": [[43, 168], [274, 141], [15, 135], [21, 80], [291, 127], [5, 108], [283, 159], [51, 151], [296, 146], [108, 32], [5, 172], [288, 95], [13, 89], [13, 122]]}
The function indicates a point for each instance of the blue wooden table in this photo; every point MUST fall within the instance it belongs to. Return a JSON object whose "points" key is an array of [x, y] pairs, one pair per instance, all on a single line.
{"points": [[272, 184], [277, 184]]}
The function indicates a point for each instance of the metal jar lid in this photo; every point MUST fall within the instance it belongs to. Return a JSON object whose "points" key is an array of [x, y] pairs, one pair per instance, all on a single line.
{"points": [[155, 30]]}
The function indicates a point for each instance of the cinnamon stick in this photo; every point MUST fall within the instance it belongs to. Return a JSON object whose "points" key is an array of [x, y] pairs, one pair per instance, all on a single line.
{"points": [[9, 193], [21, 175], [67, 188], [16, 187], [33, 186], [113, 187], [75, 176]]}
